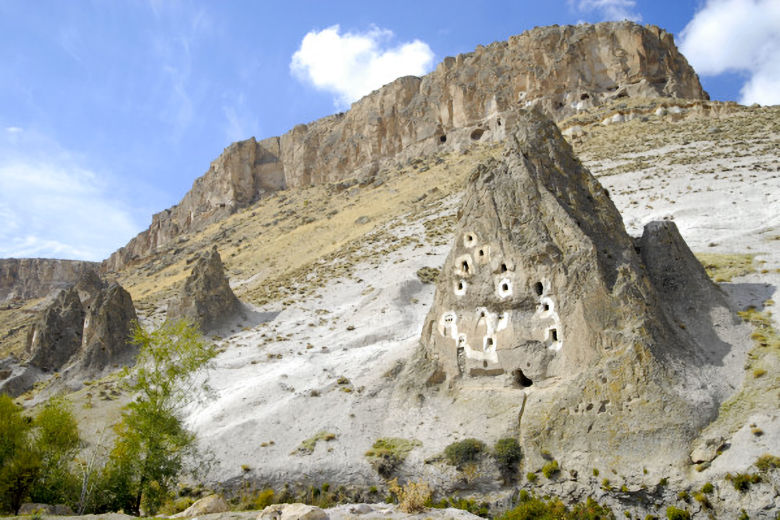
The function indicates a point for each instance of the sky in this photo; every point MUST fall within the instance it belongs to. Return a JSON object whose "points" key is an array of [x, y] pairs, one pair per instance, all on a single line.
{"points": [[109, 109]]}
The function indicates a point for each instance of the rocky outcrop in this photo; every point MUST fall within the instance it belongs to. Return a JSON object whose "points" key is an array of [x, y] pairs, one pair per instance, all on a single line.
{"points": [[205, 506], [27, 278], [107, 327], [57, 334], [544, 292], [206, 297], [471, 97]]}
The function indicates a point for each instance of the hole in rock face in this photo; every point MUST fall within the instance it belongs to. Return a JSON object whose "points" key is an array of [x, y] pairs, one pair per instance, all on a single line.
{"points": [[554, 334], [443, 139], [503, 268], [477, 134], [481, 252], [460, 286], [504, 287], [489, 342], [498, 121], [585, 96], [465, 267], [520, 378], [484, 364], [539, 288], [546, 306], [481, 314]]}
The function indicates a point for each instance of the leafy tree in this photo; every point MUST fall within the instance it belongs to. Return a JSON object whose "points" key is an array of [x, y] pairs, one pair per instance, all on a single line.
{"points": [[57, 443], [14, 428], [152, 442]]}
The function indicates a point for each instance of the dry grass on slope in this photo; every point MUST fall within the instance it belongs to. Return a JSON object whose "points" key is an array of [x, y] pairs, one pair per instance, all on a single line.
{"points": [[290, 243]]}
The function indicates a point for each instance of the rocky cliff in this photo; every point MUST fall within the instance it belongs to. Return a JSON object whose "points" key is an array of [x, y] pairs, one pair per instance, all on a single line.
{"points": [[546, 297], [26, 278], [471, 97]]}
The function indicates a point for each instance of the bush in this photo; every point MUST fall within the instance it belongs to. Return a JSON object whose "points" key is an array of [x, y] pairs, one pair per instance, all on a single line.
{"points": [[550, 469], [672, 513], [428, 274], [707, 488], [413, 497], [507, 452], [767, 462], [388, 453], [531, 477], [460, 453], [534, 508], [742, 481]]}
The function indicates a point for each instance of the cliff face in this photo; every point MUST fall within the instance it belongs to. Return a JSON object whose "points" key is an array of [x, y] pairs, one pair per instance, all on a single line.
{"points": [[26, 278], [473, 96]]}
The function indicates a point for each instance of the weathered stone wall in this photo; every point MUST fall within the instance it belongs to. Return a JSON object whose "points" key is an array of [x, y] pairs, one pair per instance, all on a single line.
{"points": [[27, 278]]}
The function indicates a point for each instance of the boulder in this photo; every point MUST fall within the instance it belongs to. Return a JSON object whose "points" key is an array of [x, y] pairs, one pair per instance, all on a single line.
{"points": [[56, 335], [292, 512], [206, 505], [206, 298]]}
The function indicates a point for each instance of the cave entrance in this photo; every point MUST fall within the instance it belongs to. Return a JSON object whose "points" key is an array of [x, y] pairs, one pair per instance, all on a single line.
{"points": [[520, 379]]}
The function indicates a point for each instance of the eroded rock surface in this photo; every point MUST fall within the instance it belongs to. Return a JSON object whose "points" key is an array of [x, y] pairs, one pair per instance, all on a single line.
{"points": [[27, 278], [57, 334], [467, 98], [206, 297], [545, 292]]}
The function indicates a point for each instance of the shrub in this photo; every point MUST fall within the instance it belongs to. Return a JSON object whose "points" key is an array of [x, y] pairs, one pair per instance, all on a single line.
{"points": [[263, 499], [533, 508], [767, 462], [460, 453], [388, 453], [701, 498], [428, 274], [672, 513], [412, 497], [707, 488], [550, 469], [742, 481], [507, 453]]}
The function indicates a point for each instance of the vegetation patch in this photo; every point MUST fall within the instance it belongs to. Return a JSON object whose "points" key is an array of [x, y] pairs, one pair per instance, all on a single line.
{"points": [[531, 507], [724, 267], [463, 452], [412, 497], [428, 274], [307, 446], [388, 453]]}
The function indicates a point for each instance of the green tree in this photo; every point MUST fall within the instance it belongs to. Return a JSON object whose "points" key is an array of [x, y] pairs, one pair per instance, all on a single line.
{"points": [[19, 465], [14, 428], [152, 442], [57, 442]]}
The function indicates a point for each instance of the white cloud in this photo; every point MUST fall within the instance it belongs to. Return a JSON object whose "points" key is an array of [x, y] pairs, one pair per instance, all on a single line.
{"points": [[741, 36], [50, 206], [351, 65], [609, 9]]}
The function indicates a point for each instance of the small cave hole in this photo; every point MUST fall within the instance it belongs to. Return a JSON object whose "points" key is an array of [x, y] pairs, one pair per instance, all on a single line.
{"points": [[489, 342], [554, 334], [520, 378], [503, 268], [465, 266], [584, 96], [546, 306], [460, 286], [481, 252], [484, 364], [539, 288], [443, 138], [498, 121], [477, 134], [504, 287]]}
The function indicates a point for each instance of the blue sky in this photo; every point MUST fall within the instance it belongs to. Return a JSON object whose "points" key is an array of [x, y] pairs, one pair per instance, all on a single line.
{"points": [[110, 109]]}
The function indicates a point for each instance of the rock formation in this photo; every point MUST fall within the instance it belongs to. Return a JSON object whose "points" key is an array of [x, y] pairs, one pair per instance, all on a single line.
{"points": [[206, 298], [544, 292], [468, 98], [57, 334], [107, 327], [27, 278]]}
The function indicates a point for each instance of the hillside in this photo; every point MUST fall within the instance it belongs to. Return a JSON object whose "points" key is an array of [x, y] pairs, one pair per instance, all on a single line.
{"points": [[336, 272]]}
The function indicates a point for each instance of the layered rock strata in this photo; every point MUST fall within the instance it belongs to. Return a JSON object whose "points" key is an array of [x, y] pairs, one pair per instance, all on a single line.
{"points": [[28, 278], [471, 97], [206, 298], [545, 293]]}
